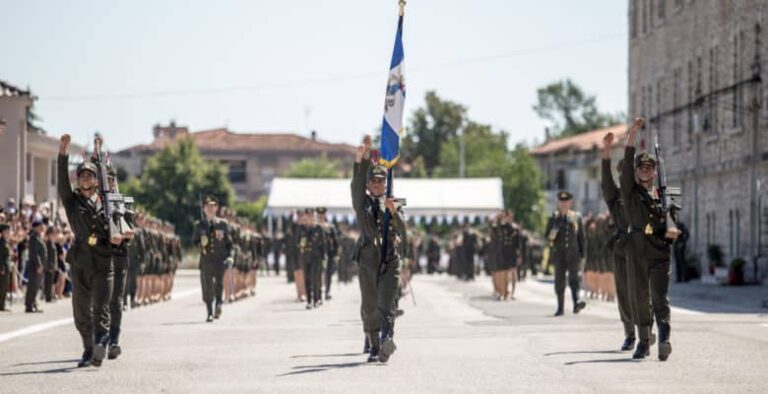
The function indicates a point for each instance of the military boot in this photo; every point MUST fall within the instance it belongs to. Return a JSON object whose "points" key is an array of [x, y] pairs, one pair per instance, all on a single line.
{"points": [[209, 309], [217, 311], [366, 346], [99, 351], [629, 344], [643, 348], [85, 360], [665, 347], [373, 339], [387, 343], [560, 302]]}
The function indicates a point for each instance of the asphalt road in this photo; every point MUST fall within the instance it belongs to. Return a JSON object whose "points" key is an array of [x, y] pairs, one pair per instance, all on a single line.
{"points": [[456, 339]]}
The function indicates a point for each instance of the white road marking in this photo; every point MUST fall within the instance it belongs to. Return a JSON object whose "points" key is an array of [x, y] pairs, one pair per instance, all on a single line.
{"points": [[35, 328]]}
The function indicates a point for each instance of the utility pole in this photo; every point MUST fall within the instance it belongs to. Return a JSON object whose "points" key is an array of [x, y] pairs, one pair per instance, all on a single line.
{"points": [[462, 154]]}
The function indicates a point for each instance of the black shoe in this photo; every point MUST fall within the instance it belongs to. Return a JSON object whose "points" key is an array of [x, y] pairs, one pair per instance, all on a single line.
{"points": [[114, 351], [366, 346], [642, 350], [209, 319], [309, 306], [579, 306], [559, 312], [387, 348], [373, 355], [217, 312], [628, 345], [665, 349], [99, 352], [85, 360]]}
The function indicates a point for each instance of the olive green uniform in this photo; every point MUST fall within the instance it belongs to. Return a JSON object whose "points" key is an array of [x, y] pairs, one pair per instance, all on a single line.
{"points": [[215, 241], [38, 259], [568, 249], [618, 243], [378, 290], [648, 254], [90, 258]]}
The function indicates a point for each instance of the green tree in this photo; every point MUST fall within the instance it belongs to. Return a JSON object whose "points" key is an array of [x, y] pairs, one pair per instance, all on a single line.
{"points": [[487, 155], [315, 168], [570, 110], [173, 182], [430, 127], [252, 210]]}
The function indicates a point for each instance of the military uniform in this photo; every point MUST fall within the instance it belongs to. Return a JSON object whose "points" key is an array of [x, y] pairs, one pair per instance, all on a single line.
{"points": [[38, 260], [90, 257], [378, 289], [49, 270], [648, 256], [567, 250], [215, 241], [332, 249], [612, 196], [6, 269]]}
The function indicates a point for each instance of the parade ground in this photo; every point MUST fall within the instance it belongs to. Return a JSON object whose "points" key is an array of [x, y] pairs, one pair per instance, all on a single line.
{"points": [[455, 339]]}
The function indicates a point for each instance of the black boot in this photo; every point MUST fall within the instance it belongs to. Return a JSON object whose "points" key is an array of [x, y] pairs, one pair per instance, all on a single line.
{"points": [[366, 346], [665, 347], [560, 302], [114, 351], [217, 311], [629, 344], [85, 360], [373, 339], [99, 351], [642, 350], [209, 310]]}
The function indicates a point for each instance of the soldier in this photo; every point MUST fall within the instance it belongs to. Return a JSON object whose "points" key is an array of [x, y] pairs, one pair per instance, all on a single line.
{"points": [[508, 254], [433, 255], [38, 260], [315, 251], [50, 263], [213, 236], [90, 255], [332, 248], [612, 196], [379, 272], [565, 231], [648, 253], [6, 269]]}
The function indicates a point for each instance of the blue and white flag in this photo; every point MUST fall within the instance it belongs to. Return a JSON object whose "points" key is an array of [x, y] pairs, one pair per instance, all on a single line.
{"points": [[392, 128]]}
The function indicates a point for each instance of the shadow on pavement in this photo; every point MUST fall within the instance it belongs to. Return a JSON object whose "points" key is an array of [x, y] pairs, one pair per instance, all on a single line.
{"points": [[48, 362], [302, 369], [45, 371], [609, 360], [586, 352], [328, 355], [184, 323]]}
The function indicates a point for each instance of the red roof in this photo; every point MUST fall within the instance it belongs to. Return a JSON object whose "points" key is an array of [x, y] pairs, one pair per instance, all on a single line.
{"points": [[581, 142], [224, 140]]}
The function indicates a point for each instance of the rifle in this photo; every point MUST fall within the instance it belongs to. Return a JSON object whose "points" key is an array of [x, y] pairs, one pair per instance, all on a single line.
{"points": [[115, 204], [661, 175]]}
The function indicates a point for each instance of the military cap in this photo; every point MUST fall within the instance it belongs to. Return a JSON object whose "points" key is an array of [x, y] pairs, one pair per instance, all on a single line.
{"points": [[37, 223], [211, 200], [564, 196], [644, 159], [86, 166], [4, 227], [377, 171], [321, 210]]}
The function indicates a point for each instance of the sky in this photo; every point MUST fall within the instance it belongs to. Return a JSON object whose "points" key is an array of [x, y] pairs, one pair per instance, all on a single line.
{"points": [[120, 67]]}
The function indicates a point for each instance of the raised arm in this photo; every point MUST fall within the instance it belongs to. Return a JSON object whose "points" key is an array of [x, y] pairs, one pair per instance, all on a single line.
{"points": [[610, 190], [360, 174], [63, 184], [628, 167]]}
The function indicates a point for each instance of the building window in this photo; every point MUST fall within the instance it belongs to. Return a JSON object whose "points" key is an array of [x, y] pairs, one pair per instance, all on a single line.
{"points": [[29, 167], [53, 172], [662, 9], [236, 172]]}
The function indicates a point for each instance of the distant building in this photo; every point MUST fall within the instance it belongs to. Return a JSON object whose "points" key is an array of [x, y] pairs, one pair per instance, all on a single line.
{"points": [[28, 157], [695, 72], [252, 159], [573, 164]]}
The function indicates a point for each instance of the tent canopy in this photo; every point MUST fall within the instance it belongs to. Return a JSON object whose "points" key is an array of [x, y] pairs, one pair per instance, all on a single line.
{"points": [[424, 197]]}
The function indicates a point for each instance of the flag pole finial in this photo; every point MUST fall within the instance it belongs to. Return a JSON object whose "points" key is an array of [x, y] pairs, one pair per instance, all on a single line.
{"points": [[401, 3]]}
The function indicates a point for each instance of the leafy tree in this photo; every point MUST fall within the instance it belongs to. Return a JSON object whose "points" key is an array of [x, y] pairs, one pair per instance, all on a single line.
{"points": [[252, 210], [570, 110], [431, 126], [173, 182], [315, 168]]}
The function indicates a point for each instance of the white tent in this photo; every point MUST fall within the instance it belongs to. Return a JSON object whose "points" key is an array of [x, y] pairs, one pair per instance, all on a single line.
{"points": [[425, 197]]}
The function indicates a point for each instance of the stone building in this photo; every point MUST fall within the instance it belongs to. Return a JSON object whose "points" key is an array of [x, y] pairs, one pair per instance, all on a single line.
{"points": [[573, 164], [252, 159], [695, 72]]}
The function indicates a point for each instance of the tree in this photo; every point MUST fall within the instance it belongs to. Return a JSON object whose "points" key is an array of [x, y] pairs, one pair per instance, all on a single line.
{"points": [[487, 155], [431, 126], [252, 210], [173, 182], [570, 110], [315, 168]]}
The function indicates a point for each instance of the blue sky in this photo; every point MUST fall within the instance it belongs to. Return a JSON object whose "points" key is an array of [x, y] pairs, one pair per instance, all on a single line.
{"points": [[290, 66]]}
